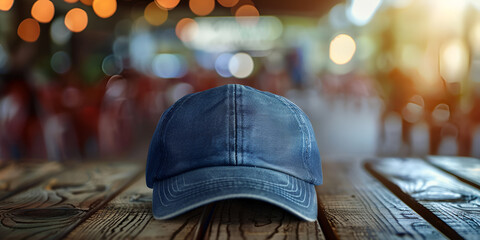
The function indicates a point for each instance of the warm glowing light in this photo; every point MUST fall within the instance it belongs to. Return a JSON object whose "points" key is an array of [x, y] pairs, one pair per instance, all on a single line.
{"points": [[76, 20], [5, 5], [71, 1], [247, 15], [454, 61], [155, 15], [186, 29], [475, 37], [202, 7], [361, 12], [241, 65], [342, 49], [29, 30], [43, 11], [167, 4], [104, 8], [228, 3], [247, 10], [87, 2]]}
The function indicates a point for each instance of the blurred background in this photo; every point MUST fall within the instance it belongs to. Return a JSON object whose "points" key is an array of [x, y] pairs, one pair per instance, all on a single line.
{"points": [[86, 79]]}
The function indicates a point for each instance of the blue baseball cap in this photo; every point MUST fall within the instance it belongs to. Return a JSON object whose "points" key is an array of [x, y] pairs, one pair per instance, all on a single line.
{"points": [[233, 141]]}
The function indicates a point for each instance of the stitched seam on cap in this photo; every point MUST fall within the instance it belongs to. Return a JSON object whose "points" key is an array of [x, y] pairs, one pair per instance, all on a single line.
{"points": [[165, 126], [235, 136], [304, 140]]}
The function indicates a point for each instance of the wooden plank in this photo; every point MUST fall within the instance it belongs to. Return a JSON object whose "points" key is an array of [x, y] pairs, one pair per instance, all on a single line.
{"points": [[450, 205], [250, 219], [356, 206], [54, 207], [464, 168], [129, 216], [17, 177]]}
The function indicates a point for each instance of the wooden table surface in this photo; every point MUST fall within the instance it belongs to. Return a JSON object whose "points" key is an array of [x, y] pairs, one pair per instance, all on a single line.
{"points": [[384, 198]]}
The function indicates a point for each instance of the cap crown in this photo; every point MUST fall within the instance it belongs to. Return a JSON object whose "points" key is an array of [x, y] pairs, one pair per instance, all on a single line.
{"points": [[234, 125]]}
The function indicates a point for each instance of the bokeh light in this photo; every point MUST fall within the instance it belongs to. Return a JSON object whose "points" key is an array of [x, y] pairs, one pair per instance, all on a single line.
{"points": [[29, 30], [247, 10], [413, 111], [5, 5], [441, 113], [247, 15], [202, 7], [241, 65], [59, 32], [70, 1], [169, 66], [76, 20], [360, 12], [112, 65], [228, 3], [342, 49], [43, 11], [454, 59], [186, 29], [87, 2], [155, 15], [167, 4], [60, 62], [104, 8], [221, 65]]}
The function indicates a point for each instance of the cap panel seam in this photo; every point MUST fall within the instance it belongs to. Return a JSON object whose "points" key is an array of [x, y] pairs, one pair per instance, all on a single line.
{"points": [[235, 127], [305, 140]]}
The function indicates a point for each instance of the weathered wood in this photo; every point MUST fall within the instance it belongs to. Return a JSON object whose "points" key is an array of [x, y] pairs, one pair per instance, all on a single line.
{"points": [[357, 206], [464, 168], [129, 216], [16, 177], [450, 205], [54, 207], [250, 219]]}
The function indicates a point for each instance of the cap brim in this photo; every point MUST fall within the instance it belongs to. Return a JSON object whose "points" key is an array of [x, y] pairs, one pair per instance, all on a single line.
{"points": [[179, 194]]}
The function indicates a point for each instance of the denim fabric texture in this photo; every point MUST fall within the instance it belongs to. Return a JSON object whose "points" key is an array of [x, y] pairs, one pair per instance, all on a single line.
{"points": [[233, 141]]}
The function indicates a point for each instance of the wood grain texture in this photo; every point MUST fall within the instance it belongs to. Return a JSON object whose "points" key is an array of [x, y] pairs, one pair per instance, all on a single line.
{"points": [[357, 206], [129, 216], [450, 205], [465, 168], [54, 207], [250, 219], [16, 177]]}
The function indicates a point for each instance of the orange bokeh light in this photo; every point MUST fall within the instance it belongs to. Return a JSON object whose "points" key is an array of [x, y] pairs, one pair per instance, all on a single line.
{"points": [[43, 11], [167, 4], [29, 30], [5, 5], [247, 10], [202, 7], [71, 1], [186, 29], [87, 2], [76, 20], [228, 3], [104, 8], [155, 15]]}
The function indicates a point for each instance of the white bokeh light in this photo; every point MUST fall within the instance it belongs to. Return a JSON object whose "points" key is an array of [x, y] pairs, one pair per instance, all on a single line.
{"points": [[241, 65]]}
